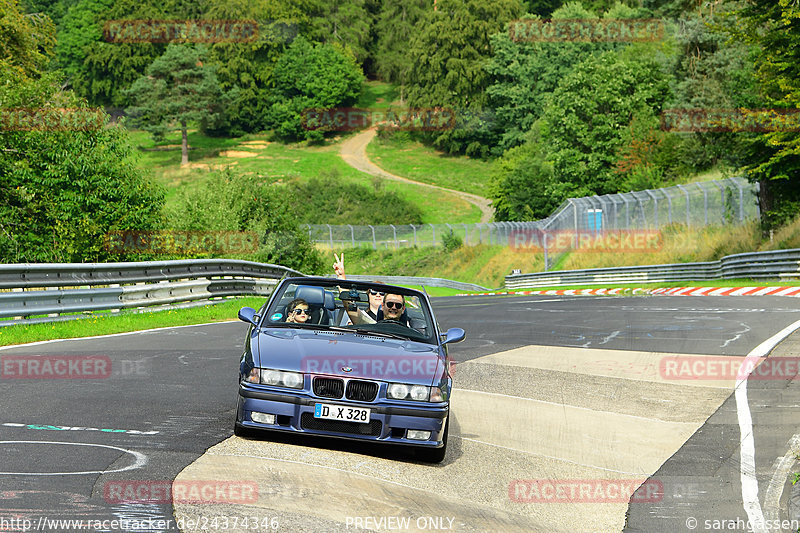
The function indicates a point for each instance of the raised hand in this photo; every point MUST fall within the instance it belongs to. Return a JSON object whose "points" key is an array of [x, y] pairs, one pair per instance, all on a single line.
{"points": [[338, 266]]}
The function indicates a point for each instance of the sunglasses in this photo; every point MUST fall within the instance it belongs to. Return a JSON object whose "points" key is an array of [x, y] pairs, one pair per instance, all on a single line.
{"points": [[393, 305], [376, 293], [302, 311]]}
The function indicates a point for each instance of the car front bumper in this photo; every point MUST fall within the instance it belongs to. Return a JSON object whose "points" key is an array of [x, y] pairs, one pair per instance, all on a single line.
{"points": [[388, 422]]}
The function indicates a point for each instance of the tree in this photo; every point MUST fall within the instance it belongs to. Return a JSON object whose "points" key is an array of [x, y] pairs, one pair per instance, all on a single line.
{"points": [[343, 22], [522, 183], [448, 52], [26, 41], [179, 88], [589, 114], [310, 77], [773, 158], [63, 187], [244, 69], [396, 21]]}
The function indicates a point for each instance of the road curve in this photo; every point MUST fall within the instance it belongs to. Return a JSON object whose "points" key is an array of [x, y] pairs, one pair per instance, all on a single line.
{"points": [[354, 153], [548, 390]]}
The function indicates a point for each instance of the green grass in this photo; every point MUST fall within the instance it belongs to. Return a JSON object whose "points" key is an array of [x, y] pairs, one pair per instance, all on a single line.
{"points": [[106, 324], [281, 162], [411, 159], [378, 95]]}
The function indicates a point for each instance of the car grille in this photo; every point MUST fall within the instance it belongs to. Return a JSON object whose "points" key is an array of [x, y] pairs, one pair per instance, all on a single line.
{"points": [[373, 428], [361, 391], [328, 387]]}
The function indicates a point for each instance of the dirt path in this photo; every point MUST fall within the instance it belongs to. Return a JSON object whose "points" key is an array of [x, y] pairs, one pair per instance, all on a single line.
{"points": [[354, 153]]}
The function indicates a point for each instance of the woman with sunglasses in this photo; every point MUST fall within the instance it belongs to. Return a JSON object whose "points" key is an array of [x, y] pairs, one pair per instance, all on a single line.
{"points": [[297, 311]]}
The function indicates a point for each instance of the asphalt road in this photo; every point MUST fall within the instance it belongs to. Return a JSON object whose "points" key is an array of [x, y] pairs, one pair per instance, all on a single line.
{"points": [[170, 395]]}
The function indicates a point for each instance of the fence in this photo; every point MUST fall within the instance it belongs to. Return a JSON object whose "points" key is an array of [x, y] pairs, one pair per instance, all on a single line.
{"points": [[720, 202], [779, 264]]}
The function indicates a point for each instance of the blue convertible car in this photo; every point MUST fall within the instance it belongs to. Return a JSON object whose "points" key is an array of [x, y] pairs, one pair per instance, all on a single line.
{"points": [[316, 362]]}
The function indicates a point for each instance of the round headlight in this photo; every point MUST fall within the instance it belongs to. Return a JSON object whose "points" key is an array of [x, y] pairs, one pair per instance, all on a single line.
{"points": [[398, 391], [419, 393], [292, 379], [270, 377]]}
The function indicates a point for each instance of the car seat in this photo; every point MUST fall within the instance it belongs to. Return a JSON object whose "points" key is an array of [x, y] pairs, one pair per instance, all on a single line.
{"points": [[318, 302]]}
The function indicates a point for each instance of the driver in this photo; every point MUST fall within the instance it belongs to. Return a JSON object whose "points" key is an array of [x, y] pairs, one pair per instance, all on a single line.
{"points": [[393, 307]]}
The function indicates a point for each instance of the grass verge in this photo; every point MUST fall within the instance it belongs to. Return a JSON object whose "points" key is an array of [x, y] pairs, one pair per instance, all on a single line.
{"points": [[106, 324], [413, 160]]}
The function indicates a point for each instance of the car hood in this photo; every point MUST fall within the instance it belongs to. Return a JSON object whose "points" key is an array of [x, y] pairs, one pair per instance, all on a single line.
{"points": [[348, 355]]}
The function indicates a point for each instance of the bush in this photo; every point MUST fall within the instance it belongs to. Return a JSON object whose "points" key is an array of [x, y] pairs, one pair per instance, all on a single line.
{"points": [[451, 241], [234, 202]]}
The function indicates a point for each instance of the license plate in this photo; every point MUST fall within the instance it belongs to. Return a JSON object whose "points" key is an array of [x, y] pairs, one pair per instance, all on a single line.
{"points": [[341, 412]]}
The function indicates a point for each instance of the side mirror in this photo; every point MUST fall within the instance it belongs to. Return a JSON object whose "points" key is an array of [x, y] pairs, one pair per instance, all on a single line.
{"points": [[454, 335], [247, 314]]}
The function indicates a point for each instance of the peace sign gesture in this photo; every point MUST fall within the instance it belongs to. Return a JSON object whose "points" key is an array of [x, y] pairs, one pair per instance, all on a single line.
{"points": [[338, 266]]}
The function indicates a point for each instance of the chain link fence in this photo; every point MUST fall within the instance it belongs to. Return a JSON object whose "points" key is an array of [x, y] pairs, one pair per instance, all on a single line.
{"points": [[730, 201]]}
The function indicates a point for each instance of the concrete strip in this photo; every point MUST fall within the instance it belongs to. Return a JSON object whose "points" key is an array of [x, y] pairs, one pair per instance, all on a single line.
{"points": [[339, 497], [627, 444], [620, 364]]}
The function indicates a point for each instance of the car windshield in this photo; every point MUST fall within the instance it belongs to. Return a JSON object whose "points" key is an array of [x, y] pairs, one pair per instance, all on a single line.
{"points": [[337, 304]]}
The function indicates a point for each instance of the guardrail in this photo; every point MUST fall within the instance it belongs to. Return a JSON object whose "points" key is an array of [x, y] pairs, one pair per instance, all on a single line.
{"points": [[53, 288], [428, 282], [778, 264]]}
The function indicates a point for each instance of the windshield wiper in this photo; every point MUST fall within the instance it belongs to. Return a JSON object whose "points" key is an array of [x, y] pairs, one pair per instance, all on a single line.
{"points": [[364, 331]]}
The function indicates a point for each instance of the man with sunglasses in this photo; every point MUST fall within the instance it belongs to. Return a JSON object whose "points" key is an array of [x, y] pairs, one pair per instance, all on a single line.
{"points": [[297, 311], [393, 307]]}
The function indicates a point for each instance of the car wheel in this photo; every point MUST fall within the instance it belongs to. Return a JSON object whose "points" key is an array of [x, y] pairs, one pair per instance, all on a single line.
{"points": [[435, 455]]}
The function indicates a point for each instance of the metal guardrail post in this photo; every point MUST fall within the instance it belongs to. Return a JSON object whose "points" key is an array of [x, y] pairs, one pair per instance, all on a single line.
{"points": [[688, 202], [705, 202], [655, 209], [669, 206], [741, 199]]}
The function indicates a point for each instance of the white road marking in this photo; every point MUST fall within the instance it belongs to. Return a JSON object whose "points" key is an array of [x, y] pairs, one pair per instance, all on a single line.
{"points": [[606, 339], [738, 335], [747, 449], [141, 459]]}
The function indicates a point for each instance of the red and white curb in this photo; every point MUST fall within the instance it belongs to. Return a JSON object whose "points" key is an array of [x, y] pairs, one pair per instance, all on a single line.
{"points": [[672, 291]]}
